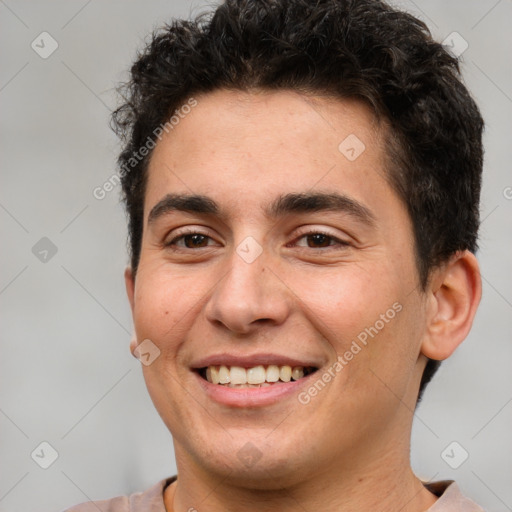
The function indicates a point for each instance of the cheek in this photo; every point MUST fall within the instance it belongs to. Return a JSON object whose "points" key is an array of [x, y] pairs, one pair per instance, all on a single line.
{"points": [[369, 318], [346, 300], [163, 305]]}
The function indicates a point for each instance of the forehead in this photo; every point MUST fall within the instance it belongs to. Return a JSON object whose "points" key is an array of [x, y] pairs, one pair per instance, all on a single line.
{"points": [[245, 147]]}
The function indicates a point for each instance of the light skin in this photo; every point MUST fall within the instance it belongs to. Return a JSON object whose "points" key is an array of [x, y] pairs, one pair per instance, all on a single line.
{"points": [[305, 296]]}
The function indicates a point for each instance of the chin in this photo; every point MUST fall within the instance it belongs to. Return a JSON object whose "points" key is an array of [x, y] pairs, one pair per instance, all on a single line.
{"points": [[260, 460]]}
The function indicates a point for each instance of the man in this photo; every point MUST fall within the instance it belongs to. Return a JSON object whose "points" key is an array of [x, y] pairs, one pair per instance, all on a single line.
{"points": [[302, 181]]}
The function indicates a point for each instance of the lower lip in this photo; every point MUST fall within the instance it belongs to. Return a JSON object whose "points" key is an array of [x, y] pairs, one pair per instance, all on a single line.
{"points": [[251, 397]]}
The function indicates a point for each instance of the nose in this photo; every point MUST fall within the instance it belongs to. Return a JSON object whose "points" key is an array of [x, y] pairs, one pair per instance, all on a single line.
{"points": [[249, 295]]}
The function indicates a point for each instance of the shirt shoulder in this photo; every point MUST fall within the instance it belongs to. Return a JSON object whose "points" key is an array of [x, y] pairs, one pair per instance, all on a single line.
{"points": [[451, 498], [151, 500]]}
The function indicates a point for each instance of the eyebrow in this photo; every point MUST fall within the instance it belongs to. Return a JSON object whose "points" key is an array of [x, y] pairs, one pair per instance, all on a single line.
{"points": [[310, 202], [306, 202], [185, 203]]}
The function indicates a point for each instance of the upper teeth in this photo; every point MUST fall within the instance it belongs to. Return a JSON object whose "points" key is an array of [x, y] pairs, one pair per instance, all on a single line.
{"points": [[255, 375]]}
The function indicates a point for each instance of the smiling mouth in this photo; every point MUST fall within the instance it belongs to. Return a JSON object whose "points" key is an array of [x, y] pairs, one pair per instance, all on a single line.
{"points": [[255, 377]]}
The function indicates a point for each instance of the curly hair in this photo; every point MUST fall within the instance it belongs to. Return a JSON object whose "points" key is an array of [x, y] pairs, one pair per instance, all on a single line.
{"points": [[362, 49]]}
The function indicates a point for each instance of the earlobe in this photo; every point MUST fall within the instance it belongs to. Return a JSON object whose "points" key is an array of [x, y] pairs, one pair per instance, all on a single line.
{"points": [[455, 292], [133, 345]]}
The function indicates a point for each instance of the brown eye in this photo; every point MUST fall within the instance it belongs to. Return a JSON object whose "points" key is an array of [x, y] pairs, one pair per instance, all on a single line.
{"points": [[190, 240], [318, 240], [194, 241]]}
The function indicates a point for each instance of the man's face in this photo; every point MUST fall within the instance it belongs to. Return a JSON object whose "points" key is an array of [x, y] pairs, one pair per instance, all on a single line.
{"points": [[298, 254]]}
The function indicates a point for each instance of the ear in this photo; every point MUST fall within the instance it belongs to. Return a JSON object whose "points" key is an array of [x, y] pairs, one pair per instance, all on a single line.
{"points": [[130, 286], [130, 291], [454, 293]]}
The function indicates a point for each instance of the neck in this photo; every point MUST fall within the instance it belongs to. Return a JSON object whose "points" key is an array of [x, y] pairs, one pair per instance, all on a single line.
{"points": [[387, 484]]}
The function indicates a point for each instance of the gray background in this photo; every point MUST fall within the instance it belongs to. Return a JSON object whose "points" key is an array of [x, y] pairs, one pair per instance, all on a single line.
{"points": [[66, 374]]}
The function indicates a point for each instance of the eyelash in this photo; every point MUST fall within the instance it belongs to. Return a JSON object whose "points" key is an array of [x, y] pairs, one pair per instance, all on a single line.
{"points": [[337, 241]]}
